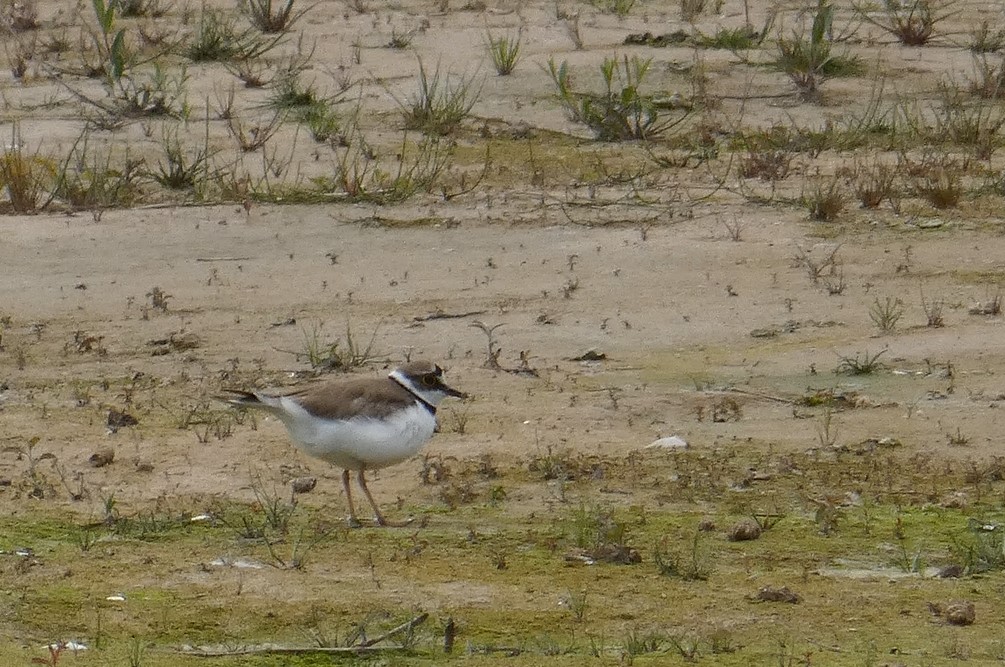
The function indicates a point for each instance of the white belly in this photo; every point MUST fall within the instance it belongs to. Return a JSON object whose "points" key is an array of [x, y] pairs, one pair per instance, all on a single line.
{"points": [[360, 443]]}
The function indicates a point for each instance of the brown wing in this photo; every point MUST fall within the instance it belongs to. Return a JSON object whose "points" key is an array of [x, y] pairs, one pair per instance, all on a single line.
{"points": [[365, 397]]}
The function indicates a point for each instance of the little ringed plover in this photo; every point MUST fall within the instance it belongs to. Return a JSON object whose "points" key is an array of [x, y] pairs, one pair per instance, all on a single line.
{"points": [[360, 424]]}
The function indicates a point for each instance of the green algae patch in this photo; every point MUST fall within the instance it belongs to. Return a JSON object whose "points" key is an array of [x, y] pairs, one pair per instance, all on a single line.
{"points": [[860, 553]]}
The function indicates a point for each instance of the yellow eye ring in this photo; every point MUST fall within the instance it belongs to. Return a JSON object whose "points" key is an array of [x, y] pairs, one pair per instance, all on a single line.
{"points": [[429, 380]]}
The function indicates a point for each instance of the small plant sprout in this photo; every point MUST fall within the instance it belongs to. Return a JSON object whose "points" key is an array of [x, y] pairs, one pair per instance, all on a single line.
{"points": [[619, 8], [270, 17], [400, 40], [827, 430], [691, 560], [885, 314], [826, 200], [734, 228], [25, 176], [987, 37], [440, 104], [572, 28], [933, 311], [809, 60], [622, 112], [345, 354], [873, 183], [504, 52], [861, 364], [492, 358], [912, 22]]}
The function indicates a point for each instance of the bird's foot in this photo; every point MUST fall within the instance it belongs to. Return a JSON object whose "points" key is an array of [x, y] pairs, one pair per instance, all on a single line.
{"points": [[353, 522]]}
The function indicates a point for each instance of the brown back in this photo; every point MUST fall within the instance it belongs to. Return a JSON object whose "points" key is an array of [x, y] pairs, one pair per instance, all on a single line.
{"points": [[363, 397]]}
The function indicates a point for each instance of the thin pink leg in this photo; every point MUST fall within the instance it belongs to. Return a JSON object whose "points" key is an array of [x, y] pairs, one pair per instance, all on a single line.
{"points": [[353, 521]]}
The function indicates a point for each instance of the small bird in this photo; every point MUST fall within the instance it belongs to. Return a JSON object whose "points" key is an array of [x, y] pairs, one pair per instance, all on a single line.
{"points": [[361, 424]]}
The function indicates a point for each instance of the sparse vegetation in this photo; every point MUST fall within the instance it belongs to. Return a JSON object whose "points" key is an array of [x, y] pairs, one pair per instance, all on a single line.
{"points": [[263, 202], [620, 8], [861, 364], [690, 560], [808, 58], [25, 176], [182, 168], [622, 111], [269, 17], [504, 52], [826, 200], [342, 354], [912, 22], [886, 313], [440, 104], [875, 182], [217, 39]]}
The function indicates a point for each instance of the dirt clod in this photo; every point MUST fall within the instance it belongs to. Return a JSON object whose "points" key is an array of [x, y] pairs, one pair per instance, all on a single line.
{"points": [[102, 457], [744, 531], [960, 612], [772, 594]]}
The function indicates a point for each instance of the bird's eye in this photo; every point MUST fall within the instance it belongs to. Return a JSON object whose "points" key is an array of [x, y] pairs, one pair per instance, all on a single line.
{"points": [[429, 380]]}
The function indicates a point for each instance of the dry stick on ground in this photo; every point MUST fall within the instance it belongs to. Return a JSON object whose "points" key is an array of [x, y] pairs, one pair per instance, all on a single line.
{"points": [[365, 647]]}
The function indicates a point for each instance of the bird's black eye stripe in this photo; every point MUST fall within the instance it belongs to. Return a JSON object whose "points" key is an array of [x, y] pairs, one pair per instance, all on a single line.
{"points": [[430, 379]]}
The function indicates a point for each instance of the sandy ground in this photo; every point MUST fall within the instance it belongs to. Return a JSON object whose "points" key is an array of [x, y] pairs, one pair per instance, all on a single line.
{"points": [[672, 309]]}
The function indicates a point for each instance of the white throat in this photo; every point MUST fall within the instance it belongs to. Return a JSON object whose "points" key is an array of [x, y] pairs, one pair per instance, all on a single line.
{"points": [[432, 397]]}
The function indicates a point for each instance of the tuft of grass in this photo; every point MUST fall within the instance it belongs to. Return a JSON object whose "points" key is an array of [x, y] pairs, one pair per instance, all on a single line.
{"points": [[306, 104], [180, 169], [933, 311], [864, 364], [976, 124], [217, 39], [986, 38], [251, 74], [439, 105], [936, 178], [358, 176], [885, 314], [622, 112], [816, 268], [743, 38], [251, 137], [989, 76], [140, 8], [873, 183], [768, 165], [323, 122], [826, 200], [912, 22], [504, 52], [620, 8], [981, 548], [157, 92], [339, 355], [693, 562], [271, 18], [91, 179], [26, 177], [18, 15], [692, 9], [400, 40], [809, 60], [291, 94]]}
